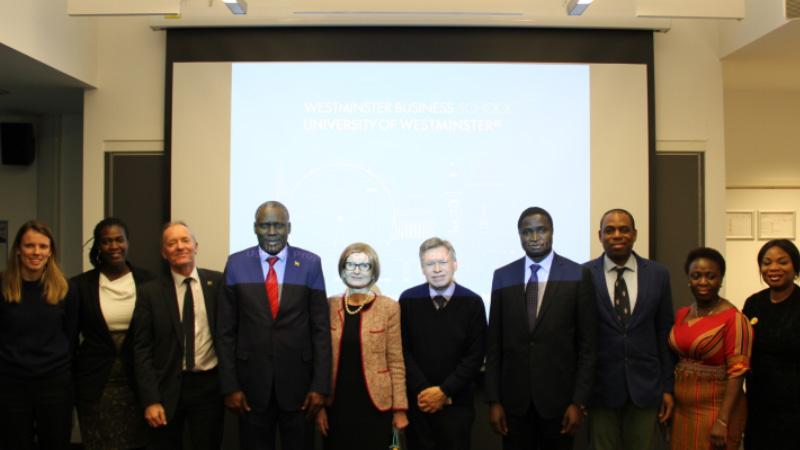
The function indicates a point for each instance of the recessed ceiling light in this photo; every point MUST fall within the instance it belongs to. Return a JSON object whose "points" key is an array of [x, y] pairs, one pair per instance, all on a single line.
{"points": [[236, 6]]}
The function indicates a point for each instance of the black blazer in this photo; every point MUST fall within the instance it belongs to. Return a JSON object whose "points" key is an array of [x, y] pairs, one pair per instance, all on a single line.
{"points": [[96, 352], [158, 338], [554, 365]]}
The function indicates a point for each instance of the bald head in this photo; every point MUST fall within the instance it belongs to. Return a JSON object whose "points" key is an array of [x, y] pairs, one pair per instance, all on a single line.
{"points": [[272, 226], [272, 204]]}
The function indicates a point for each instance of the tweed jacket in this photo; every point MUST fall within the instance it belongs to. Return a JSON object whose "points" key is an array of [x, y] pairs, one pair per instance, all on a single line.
{"points": [[381, 351]]}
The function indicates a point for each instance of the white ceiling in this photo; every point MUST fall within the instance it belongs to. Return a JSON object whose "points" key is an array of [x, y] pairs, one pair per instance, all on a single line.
{"points": [[602, 13], [28, 87], [771, 62]]}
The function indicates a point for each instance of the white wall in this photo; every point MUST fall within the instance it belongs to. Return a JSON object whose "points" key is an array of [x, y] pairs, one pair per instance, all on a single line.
{"points": [[70, 193], [743, 277], [688, 83], [763, 170], [761, 128], [50, 188], [126, 112], [18, 188], [42, 30]]}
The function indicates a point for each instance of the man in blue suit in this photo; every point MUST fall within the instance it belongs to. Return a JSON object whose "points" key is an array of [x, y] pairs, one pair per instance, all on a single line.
{"points": [[634, 378], [274, 341], [541, 343]]}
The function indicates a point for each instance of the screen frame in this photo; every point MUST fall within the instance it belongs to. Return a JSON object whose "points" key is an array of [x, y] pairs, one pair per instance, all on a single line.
{"points": [[413, 44]]}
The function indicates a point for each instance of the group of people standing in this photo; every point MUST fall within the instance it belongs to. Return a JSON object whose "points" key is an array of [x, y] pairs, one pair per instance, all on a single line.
{"points": [[159, 358]]}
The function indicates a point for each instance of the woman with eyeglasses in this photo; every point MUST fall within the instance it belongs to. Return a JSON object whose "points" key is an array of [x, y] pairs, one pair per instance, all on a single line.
{"points": [[368, 382], [38, 329], [773, 386]]}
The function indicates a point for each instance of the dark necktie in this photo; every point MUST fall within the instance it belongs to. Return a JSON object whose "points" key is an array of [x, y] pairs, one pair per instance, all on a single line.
{"points": [[439, 301], [622, 304], [532, 295], [272, 286], [188, 324]]}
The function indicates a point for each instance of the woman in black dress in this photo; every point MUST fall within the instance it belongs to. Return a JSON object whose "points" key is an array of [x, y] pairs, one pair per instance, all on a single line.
{"points": [[109, 414], [368, 374], [38, 323], [773, 385]]}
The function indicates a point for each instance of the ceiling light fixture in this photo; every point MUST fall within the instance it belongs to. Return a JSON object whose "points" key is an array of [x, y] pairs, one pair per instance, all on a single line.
{"points": [[577, 7], [236, 6]]}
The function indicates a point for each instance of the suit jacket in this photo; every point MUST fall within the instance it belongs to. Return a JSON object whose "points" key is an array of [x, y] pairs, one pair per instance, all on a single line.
{"points": [[381, 352], [635, 359], [95, 355], [554, 365], [158, 337], [291, 352], [467, 342]]}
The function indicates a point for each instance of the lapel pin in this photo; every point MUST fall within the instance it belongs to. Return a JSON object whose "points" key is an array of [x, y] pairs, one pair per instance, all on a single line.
{"points": [[754, 321], [209, 283], [297, 263]]}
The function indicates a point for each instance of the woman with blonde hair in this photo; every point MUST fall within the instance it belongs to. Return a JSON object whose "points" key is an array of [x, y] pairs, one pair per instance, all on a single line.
{"points": [[38, 328], [368, 382]]}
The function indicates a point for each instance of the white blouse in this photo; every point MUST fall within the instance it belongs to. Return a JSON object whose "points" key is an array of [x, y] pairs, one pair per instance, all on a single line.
{"points": [[117, 299]]}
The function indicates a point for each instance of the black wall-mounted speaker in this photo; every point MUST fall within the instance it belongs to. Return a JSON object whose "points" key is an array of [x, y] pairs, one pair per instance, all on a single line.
{"points": [[17, 145]]}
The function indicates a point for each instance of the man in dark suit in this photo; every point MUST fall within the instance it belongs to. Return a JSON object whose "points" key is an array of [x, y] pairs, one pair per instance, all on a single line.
{"points": [[444, 341], [634, 377], [541, 346], [274, 336], [174, 358]]}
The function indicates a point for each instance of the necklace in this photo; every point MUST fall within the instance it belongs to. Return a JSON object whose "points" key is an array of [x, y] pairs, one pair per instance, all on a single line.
{"points": [[356, 308], [707, 311], [353, 312]]}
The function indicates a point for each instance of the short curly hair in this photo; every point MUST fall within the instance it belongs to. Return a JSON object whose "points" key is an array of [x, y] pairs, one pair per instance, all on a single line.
{"points": [[707, 253]]}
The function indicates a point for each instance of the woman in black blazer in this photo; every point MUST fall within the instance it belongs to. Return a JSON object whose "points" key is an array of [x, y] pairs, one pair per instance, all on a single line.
{"points": [[109, 414]]}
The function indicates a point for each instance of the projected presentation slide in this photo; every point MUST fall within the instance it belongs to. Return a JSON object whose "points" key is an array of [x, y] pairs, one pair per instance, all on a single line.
{"points": [[394, 153]]}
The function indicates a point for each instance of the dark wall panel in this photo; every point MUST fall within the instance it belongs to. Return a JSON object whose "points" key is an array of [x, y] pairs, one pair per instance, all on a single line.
{"points": [[679, 218], [135, 193]]}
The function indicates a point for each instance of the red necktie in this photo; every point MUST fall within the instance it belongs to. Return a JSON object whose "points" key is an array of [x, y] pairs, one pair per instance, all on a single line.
{"points": [[272, 286]]}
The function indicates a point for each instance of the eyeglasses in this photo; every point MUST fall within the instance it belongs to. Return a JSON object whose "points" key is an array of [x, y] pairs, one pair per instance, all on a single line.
{"points": [[432, 264], [351, 266]]}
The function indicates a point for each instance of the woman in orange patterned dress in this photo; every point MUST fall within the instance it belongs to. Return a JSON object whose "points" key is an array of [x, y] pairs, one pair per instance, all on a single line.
{"points": [[713, 340]]}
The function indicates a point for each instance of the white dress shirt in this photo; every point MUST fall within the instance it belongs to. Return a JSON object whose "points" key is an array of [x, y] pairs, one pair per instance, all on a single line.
{"points": [[543, 275], [204, 356], [630, 276]]}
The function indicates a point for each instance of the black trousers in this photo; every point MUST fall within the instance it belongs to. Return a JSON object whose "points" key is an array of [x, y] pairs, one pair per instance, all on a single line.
{"points": [[447, 429], [200, 409], [534, 432], [36, 411], [257, 430]]}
